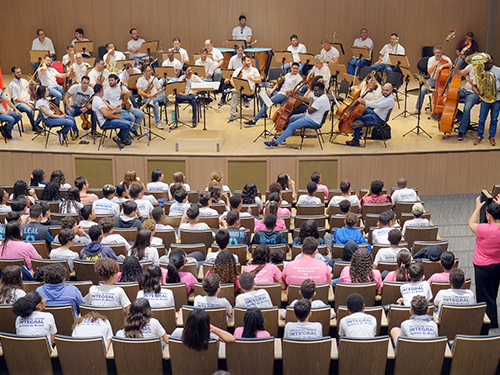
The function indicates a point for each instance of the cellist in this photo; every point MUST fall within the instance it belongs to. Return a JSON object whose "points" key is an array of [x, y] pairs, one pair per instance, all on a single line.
{"points": [[280, 92], [435, 65]]}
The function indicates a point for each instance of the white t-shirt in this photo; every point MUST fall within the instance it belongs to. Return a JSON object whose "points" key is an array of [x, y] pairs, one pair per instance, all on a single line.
{"points": [[43, 103], [150, 255], [410, 290], [49, 77], [255, 298], [303, 331], [124, 75], [18, 89], [209, 65], [472, 76], [197, 226], [205, 302], [296, 50], [157, 186], [46, 45], [364, 43], [137, 44], [419, 327], [96, 328], [316, 304], [417, 222], [358, 325], [66, 254], [183, 52], [94, 75], [404, 195], [144, 206], [15, 295], [380, 236], [176, 64], [290, 82], [241, 33], [387, 254], [112, 59], [431, 62], [336, 199], [78, 96], [104, 206], [37, 324], [153, 329], [143, 83], [113, 95], [97, 104], [80, 70], [211, 257], [216, 55], [207, 211], [158, 300], [388, 49], [234, 62], [455, 297], [178, 209], [322, 105], [307, 199], [250, 72], [323, 72], [108, 296], [194, 79], [115, 239], [331, 54]]}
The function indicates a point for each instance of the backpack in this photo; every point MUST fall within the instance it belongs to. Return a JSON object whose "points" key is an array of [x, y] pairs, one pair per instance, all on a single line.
{"points": [[378, 131]]}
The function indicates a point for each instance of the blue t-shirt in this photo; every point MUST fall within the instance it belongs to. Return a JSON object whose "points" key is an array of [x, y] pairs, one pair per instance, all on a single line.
{"points": [[344, 234], [37, 232]]}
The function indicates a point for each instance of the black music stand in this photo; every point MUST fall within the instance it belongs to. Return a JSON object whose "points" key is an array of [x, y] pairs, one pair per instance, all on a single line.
{"points": [[422, 82], [172, 89], [267, 101], [243, 87], [305, 59], [408, 77], [205, 88], [335, 70], [150, 133]]}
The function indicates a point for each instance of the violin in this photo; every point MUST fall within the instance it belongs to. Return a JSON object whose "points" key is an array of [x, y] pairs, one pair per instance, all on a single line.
{"points": [[86, 124], [126, 102], [55, 109], [68, 80], [32, 90], [100, 79]]}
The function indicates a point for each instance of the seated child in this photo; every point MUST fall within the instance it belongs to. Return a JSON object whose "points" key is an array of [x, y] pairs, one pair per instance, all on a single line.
{"points": [[456, 295], [180, 204], [303, 329], [404, 262], [88, 215], [222, 239], [66, 239], [310, 198], [193, 216], [417, 286], [211, 286], [251, 297], [390, 254], [350, 232], [447, 260], [420, 325], [108, 236], [308, 291], [95, 250], [357, 323]]}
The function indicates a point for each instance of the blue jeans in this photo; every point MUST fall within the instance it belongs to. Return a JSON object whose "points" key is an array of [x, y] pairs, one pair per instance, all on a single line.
{"points": [[58, 93], [156, 106], [483, 114], [423, 92], [368, 117], [133, 115], [67, 123], [11, 119], [356, 61], [380, 67], [23, 107], [470, 99], [123, 126], [286, 67], [78, 112], [217, 76], [296, 122], [276, 97], [191, 99]]}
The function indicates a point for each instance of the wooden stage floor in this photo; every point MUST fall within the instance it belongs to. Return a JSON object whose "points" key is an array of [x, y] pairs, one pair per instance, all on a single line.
{"points": [[240, 142]]}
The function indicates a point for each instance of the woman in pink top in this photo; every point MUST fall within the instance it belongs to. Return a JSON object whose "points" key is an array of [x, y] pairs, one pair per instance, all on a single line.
{"points": [[401, 274], [253, 326], [174, 272], [13, 246], [261, 268], [486, 256], [361, 270], [272, 208]]}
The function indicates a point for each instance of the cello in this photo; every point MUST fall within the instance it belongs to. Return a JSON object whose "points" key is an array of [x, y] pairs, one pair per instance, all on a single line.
{"points": [[441, 79]]}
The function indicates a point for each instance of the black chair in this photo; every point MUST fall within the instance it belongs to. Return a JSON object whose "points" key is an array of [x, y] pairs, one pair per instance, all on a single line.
{"points": [[427, 51], [101, 51], [422, 67], [48, 131], [396, 79], [379, 127], [365, 71], [317, 130]]}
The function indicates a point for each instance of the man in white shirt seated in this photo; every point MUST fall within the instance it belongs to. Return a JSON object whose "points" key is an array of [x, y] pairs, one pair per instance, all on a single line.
{"points": [[310, 198], [19, 93], [206, 201], [345, 188], [218, 59], [108, 236], [157, 183], [112, 56], [251, 298], [235, 62], [99, 74], [295, 48], [42, 43], [356, 62], [380, 236], [417, 209], [357, 323], [174, 63], [48, 78], [455, 296], [280, 93], [79, 37], [391, 48], [303, 329], [211, 286], [248, 73], [390, 254], [313, 117], [375, 113], [75, 100], [134, 45], [242, 31], [10, 118], [330, 53], [176, 43], [208, 63], [403, 194], [148, 80], [189, 95], [136, 192], [105, 206], [434, 68]]}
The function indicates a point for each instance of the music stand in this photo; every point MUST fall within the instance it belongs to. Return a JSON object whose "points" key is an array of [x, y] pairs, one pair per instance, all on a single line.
{"points": [[84, 47], [90, 61], [267, 101], [408, 77], [199, 70], [281, 57], [227, 73], [172, 89], [148, 47], [165, 71], [335, 70], [305, 59], [37, 56], [359, 53], [120, 64], [205, 88], [243, 87], [399, 60], [422, 82], [233, 43]]}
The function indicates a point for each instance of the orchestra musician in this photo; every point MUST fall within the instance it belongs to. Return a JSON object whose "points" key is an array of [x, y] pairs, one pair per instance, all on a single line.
{"points": [[69, 58], [99, 74], [312, 118], [468, 41], [176, 42], [48, 76], [80, 38], [393, 48], [434, 67], [329, 53], [79, 67], [19, 93], [235, 62], [295, 48], [127, 71], [189, 96], [302, 107], [112, 55], [375, 113], [75, 99], [134, 45], [208, 63], [218, 59], [370, 88], [42, 43], [242, 31], [50, 117], [320, 68], [174, 63], [362, 42], [11, 117], [279, 95], [469, 95], [489, 108], [251, 74], [157, 95], [115, 95]]}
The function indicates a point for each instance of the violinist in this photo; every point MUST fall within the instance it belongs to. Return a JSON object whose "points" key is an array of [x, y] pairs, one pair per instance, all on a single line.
{"points": [[99, 74], [468, 41], [112, 55], [79, 67], [435, 65], [69, 58], [19, 92], [149, 87], [469, 95], [249, 73], [75, 99], [48, 78], [10, 117], [280, 92]]}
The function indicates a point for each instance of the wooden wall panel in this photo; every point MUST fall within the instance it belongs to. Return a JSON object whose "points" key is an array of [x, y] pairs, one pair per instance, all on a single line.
{"points": [[418, 23]]}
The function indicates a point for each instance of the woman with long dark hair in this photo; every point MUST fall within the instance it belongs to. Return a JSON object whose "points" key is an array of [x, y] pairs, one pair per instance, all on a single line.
{"points": [[37, 178], [142, 249], [11, 285], [13, 245], [21, 189], [261, 268], [404, 262], [250, 195], [361, 269], [225, 267], [157, 296], [131, 271], [175, 273], [71, 204], [253, 325]]}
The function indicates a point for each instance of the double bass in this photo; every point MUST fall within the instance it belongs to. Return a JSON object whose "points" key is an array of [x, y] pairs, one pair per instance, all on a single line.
{"points": [[441, 79]]}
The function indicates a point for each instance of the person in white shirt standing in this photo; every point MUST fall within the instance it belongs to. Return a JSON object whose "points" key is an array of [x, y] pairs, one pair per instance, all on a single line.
{"points": [[11, 117], [42, 43], [393, 48], [249, 73], [356, 62], [148, 82], [375, 113], [75, 100], [134, 45], [208, 63], [357, 323], [435, 65], [280, 92], [112, 56], [242, 31], [329, 53], [174, 63], [313, 117], [403, 194], [295, 48], [48, 78], [176, 42], [19, 93], [218, 59], [189, 95]]}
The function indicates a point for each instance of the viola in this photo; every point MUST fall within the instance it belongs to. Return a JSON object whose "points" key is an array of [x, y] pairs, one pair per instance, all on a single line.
{"points": [[86, 124]]}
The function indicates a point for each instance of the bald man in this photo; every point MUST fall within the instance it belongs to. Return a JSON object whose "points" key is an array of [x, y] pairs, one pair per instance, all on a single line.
{"points": [[403, 194], [376, 112]]}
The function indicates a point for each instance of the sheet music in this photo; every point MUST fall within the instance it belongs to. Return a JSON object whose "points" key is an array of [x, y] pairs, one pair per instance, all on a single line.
{"points": [[265, 98], [205, 86]]}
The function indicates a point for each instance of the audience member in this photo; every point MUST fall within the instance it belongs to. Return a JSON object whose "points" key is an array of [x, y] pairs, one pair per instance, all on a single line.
{"points": [[403, 194], [455, 296], [263, 271], [316, 178], [206, 201], [175, 273], [357, 324], [345, 189], [66, 239], [193, 216], [310, 198], [349, 232], [157, 296], [92, 325], [236, 203], [211, 286], [83, 185], [303, 329], [420, 325], [34, 231], [142, 248], [11, 285], [375, 194], [108, 236], [361, 270], [253, 325], [95, 250], [105, 205], [417, 286], [131, 217], [269, 235], [88, 215], [232, 224], [403, 261], [380, 235], [180, 205], [447, 261], [136, 191], [417, 209], [390, 254], [14, 247], [157, 183], [71, 203], [250, 296], [308, 291]]}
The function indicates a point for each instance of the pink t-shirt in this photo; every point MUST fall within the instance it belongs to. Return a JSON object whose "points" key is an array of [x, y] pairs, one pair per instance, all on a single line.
{"points": [[324, 188], [282, 212], [186, 277], [383, 198], [88, 198], [19, 249], [391, 276], [345, 277], [443, 276], [260, 334], [280, 224], [267, 275], [306, 268], [487, 245]]}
